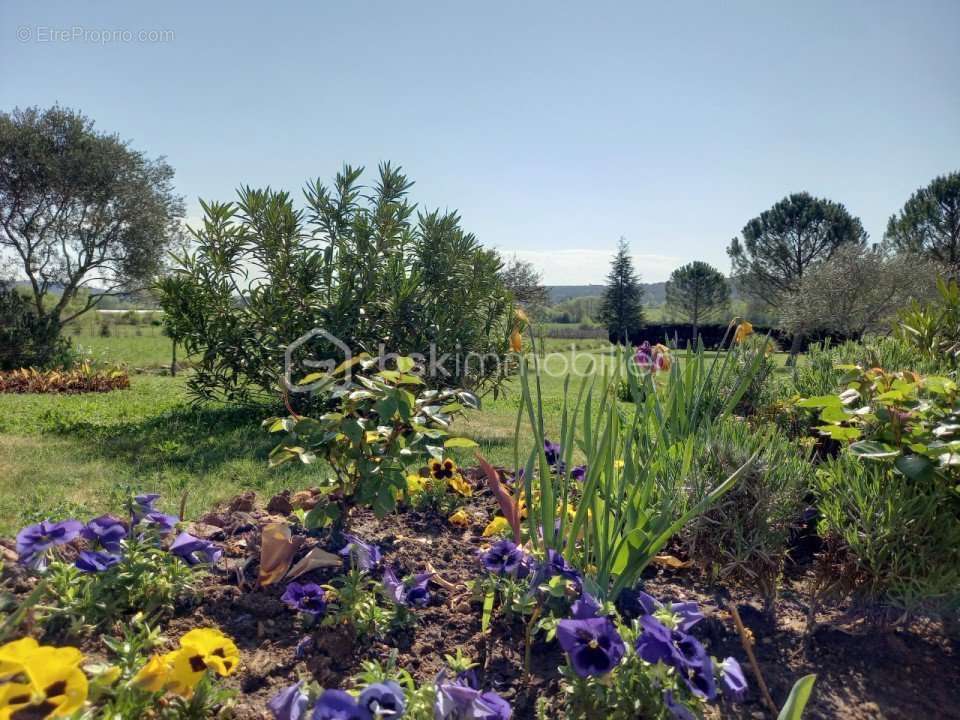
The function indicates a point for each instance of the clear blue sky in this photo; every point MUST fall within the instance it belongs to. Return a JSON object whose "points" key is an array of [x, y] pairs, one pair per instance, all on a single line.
{"points": [[554, 127]]}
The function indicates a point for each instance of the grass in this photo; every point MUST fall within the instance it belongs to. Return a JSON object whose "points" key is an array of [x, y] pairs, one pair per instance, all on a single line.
{"points": [[84, 454]]}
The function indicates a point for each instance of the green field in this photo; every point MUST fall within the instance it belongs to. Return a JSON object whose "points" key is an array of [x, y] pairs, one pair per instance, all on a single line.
{"points": [[82, 454]]}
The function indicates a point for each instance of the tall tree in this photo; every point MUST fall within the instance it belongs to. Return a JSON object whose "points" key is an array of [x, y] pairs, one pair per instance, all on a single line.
{"points": [[622, 307], [697, 292], [783, 242], [525, 283], [929, 223], [80, 209]]}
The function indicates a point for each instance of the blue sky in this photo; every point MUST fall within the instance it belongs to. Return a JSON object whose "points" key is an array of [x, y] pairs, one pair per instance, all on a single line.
{"points": [[553, 127]]}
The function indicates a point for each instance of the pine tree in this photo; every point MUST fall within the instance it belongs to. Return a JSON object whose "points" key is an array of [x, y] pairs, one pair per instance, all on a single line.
{"points": [[697, 292], [622, 307]]}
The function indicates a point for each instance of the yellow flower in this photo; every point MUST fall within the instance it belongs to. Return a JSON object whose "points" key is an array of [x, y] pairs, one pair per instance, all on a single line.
{"points": [[155, 674], [618, 464], [460, 485], [415, 484], [213, 649], [459, 518], [443, 469], [516, 341], [743, 331], [50, 685], [661, 355], [14, 654], [498, 526]]}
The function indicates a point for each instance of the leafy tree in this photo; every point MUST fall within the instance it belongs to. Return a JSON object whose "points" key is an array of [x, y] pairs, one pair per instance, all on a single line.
{"points": [[359, 263], [80, 209], [525, 283], [857, 290], [622, 307], [26, 339], [697, 292], [783, 242], [929, 223]]}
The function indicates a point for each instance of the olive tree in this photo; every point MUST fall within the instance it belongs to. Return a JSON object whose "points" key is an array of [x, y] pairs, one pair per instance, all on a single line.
{"points": [[82, 214]]}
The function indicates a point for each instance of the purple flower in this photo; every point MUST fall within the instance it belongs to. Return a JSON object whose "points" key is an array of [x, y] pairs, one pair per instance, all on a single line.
{"points": [[593, 646], [303, 647], [193, 551], [384, 699], [579, 473], [553, 452], [586, 606], [362, 556], [644, 356], [106, 530], [308, 598], [142, 505], [290, 703], [338, 705], [412, 591], [677, 649], [554, 565], [91, 561], [159, 522], [34, 540], [505, 558], [678, 711], [634, 602], [733, 682], [456, 701]]}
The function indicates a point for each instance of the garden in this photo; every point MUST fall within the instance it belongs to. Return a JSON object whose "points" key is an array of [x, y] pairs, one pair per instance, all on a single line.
{"points": [[340, 471]]}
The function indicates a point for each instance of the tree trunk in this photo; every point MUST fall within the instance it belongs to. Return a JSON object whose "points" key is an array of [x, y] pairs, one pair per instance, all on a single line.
{"points": [[173, 360], [795, 346]]}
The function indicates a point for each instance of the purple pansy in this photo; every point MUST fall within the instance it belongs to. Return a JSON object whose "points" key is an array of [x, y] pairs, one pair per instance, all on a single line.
{"points": [[457, 701], [505, 558], [678, 711], [142, 505], [634, 602], [307, 598], [677, 649], [91, 561], [553, 451], [159, 522], [106, 530], [33, 541], [579, 473], [361, 555], [412, 591], [586, 606], [383, 699], [555, 564], [593, 645], [193, 551], [290, 703], [732, 680], [338, 705]]}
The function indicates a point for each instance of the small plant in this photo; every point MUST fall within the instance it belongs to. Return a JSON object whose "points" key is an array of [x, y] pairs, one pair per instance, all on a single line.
{"points": [[83, 379], [379, 426]]}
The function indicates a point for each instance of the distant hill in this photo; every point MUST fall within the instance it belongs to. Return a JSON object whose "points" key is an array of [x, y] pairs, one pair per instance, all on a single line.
{"points": [[653, 293]]}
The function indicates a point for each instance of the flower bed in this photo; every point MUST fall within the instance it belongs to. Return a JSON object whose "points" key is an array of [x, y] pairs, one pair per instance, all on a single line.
{"points": [[80, 380]]}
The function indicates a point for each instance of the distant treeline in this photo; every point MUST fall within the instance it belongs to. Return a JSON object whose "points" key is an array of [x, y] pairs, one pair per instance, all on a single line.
{"points": [[678, 335]]}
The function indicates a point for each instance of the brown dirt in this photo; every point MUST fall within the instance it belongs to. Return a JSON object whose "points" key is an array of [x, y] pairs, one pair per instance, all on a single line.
{"points": [[863, 673]]}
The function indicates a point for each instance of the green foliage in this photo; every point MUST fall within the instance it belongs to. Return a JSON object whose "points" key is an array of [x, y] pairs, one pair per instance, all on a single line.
{"points": [[354, 605], [929, 222], [147, 580], [781, 243], [698, 292], [263, 274], [744, 537], [933, 328], [82, 209], [29, 340], [797, 699], [901, 418], [376, 427], [622, 307], [888, 541], [631, 501]]}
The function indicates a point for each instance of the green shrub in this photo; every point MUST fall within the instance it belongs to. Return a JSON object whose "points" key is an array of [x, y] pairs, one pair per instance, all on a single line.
{"points": [[744, 537], [27, 340], [357, 263], [890, 541]]}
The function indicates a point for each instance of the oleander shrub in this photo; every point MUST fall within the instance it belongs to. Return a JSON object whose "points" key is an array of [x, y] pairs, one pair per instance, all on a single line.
{"points": [[745, 537], [26, 339]]}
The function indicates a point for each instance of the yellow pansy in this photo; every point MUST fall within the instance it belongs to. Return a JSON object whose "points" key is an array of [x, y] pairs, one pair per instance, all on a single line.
{"points": [[155, 674], [213, 649], [459, 518], [743, 331], [54, 686], [443, 469], [415, 484], [14, 654], [460, 485], [516, 341], [498, 526]]}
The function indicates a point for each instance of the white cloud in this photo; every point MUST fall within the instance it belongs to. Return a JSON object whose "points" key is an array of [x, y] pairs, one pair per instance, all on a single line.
{"points": [[584, 266]]}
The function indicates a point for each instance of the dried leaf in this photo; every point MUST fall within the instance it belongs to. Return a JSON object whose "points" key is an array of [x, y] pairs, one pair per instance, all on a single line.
{"points": [[671, 562], [508, 505], [277, 548], [316, 558]]}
